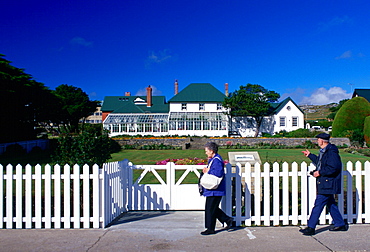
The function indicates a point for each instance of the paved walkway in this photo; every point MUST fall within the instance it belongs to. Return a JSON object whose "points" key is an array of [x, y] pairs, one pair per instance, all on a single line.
{"points": [[179, 231]]}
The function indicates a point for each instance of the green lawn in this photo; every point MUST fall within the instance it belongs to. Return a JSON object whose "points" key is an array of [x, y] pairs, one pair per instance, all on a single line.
{"points": [[145, 157]]}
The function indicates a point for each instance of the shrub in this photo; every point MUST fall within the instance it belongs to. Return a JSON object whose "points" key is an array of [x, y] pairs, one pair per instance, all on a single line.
{"points": [[367, 131], [89, 147], [356, 137], [14, 150], [351, 116]]}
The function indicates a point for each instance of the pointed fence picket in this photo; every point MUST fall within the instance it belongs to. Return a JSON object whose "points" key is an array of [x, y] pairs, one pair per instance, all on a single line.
{"points": [[92, 197]]}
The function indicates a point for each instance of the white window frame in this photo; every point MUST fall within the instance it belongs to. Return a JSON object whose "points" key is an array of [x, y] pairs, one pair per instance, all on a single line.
{"points": [[282, 121], [294, 121]]}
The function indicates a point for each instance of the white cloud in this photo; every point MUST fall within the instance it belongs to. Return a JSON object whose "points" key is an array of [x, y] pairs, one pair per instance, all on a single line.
{"points": [[158, 57], [324, 96], [345, 55], [324, 26], [142, 91], [80, 41]]}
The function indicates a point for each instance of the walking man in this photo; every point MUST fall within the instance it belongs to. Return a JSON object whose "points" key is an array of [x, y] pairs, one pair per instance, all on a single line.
{"points": [[328, 182]]}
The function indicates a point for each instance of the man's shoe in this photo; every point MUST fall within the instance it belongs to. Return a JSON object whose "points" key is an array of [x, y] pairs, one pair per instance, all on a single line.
{"points": [[207, 232], [307, 231], [229, 223], [341, 228]]}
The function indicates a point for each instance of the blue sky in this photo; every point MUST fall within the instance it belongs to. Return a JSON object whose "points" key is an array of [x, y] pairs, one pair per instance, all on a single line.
{"points": [[315, 51]]}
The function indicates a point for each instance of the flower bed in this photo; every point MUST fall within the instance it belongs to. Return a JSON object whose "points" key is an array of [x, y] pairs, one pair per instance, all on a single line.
{"points": [[186, 161]]}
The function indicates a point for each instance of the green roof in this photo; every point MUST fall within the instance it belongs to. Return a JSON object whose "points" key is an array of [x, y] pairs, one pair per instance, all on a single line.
{"points": [[199, 92], [126, 104], [276, 107], [362, 93]]}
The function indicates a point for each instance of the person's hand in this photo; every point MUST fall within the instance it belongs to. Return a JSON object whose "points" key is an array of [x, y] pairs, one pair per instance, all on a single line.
{"points": [[306, 152], [316, 174], [205, 170]]}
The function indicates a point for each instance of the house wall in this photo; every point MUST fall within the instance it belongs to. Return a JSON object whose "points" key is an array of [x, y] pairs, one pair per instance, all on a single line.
{"points": [[288, 115], [194, 107], [246, 126]]}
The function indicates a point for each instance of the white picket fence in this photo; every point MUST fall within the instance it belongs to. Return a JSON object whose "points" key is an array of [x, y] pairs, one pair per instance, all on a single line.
{"points": [[90, 197], [285, 195], [44, 197]]}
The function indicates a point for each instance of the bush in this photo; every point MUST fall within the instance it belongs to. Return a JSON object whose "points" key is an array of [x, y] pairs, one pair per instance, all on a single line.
{"points": [[367, 131], [89, 147], [14, 150], [351, 116], [356, 137]]}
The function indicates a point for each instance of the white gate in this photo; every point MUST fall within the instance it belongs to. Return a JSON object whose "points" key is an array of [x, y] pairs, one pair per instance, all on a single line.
{"points": [[167, 193]]}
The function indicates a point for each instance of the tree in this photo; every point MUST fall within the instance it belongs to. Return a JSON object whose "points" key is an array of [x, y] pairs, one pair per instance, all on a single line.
{"points": [[23, 103], [251, 100], [91, 146], [351, 116], [75, 105]]}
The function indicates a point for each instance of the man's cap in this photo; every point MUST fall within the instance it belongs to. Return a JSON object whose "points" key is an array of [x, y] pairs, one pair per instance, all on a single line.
{"points": [[323, 136]]}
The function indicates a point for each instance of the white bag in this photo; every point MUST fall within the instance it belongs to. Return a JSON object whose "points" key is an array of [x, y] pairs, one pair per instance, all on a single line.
{"points": [[210, 181]]}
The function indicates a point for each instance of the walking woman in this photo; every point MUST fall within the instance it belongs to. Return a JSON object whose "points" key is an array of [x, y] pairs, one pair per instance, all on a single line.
{"points": [[214, 196]]}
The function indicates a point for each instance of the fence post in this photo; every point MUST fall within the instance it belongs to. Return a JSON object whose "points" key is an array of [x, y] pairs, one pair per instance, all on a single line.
{"points": [[285, 194], [358, 192], [86, 196], [170, 181], [96, 196], [129, 185], [67, 197], [257, 193], [304, 193], [18, 195], [247, 194], [367, 191], [9, 196], [57, 195], [38, 192], [276, 192], [266, 194], [1, 197], [76, 196], [295, 193], [47, 196]]}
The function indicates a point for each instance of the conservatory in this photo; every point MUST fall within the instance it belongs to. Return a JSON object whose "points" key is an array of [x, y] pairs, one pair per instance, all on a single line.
{"points": [[198, 123], [137, 124]]}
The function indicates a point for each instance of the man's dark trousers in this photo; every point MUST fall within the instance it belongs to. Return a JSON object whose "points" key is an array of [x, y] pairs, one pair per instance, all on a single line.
{"points": [[320, 202], [213, 212]]}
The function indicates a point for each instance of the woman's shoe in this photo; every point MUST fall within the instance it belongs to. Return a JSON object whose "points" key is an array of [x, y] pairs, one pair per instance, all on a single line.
{"points": [[207, 232], [229, 223], [307, 231]]}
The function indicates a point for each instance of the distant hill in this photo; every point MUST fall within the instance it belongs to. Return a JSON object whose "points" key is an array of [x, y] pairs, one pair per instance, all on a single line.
{"points": [[315, 112]]}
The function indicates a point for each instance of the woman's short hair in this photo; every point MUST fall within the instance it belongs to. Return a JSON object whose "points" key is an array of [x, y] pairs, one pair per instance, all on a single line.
{"points": [[212, 146]]}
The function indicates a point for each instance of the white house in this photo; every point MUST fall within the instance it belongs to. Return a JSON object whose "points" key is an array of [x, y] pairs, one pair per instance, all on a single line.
{"points": [[197, 111], [285, 115]]}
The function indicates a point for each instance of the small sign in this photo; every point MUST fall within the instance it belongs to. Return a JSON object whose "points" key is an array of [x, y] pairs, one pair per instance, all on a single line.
{"points": [[244, 157]]}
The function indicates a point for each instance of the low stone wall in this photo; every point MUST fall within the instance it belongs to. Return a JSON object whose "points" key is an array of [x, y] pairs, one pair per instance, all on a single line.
{"points": [[281, 141], [185, 143], [178, 142]]}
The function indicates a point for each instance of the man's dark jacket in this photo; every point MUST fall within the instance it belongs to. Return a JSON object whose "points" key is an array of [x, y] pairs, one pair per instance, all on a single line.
{"points": [[329, 181]]}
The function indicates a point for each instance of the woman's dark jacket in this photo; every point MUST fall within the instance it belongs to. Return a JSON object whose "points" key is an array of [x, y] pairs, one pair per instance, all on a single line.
{"points": [[329, 181]]}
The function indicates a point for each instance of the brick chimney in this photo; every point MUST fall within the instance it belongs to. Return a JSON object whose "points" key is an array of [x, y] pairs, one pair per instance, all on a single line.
{"points": [[149, 96], [127, 93], [227, 89], [176, 87]]}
